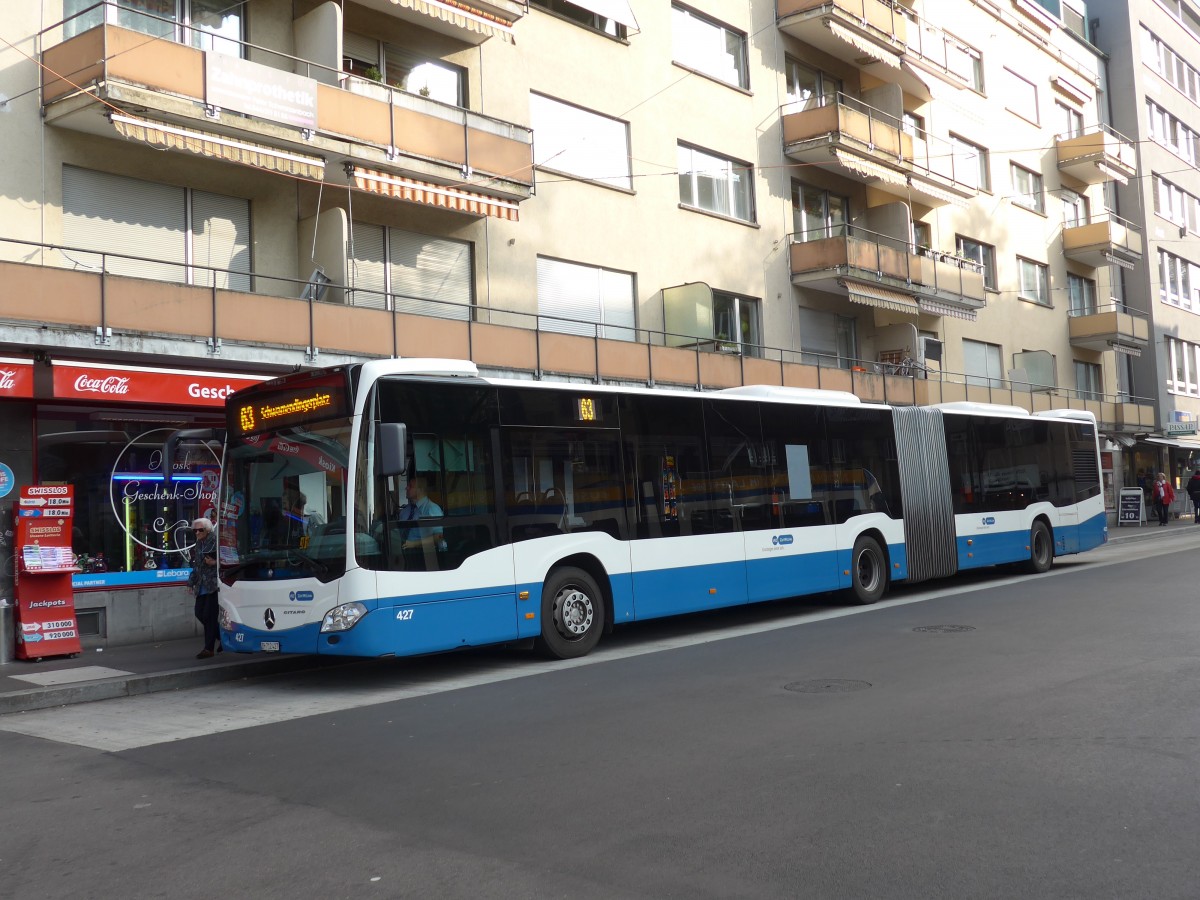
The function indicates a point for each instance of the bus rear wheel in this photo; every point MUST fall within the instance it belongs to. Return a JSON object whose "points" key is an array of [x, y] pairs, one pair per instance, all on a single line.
{"points": [[868, 571], [1041, 549], [572, 614]]}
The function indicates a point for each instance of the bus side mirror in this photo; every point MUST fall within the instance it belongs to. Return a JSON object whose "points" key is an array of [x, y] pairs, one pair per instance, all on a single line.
{"points": [[393, 438]]}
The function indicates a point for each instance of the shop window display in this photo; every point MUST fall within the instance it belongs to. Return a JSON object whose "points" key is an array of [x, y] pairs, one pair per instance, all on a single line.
{"points": [[132, 521]]}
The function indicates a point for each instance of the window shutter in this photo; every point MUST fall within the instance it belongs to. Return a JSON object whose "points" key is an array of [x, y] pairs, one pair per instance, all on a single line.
{"points": [[427, 269], [616, 305], [113, 214], [570, 293], [221, 240], [819, 333], [360, 48], [368, 266]]}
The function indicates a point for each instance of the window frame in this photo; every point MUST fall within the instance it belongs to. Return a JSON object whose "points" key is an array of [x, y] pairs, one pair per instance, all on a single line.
{"points": [[986, 257], [1041, 292], [691, 172], [685, 33], [1016, 82], [1034, 199], [962, 150], [576, 136]]}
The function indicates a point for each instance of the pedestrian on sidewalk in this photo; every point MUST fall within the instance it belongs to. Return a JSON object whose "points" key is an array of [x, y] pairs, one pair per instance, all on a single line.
{"points": [[1164, 496], [1193, 490], [203, 582]]}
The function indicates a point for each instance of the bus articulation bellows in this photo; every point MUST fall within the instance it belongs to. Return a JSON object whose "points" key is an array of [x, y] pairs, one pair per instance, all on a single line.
{"points": [[411, 506]]}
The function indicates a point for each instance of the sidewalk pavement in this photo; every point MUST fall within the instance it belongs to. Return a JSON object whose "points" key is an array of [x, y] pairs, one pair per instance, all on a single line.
{"points": [[104, 674]]}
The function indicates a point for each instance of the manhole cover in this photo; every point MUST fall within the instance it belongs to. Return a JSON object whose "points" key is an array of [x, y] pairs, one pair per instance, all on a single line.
{"points": [[944, 629], [827, 686]]}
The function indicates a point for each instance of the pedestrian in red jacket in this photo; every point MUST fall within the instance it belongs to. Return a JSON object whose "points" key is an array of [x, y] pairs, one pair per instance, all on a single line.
{"points": [[1164, 496]]}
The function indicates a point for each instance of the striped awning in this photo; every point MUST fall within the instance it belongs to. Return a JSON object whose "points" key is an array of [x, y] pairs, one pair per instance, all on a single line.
{"points": [[880, 297], [938, 193], [410, 190], [1115, 174], [463, 15], [1127, 349], [941, 308], [859, 42], [218, 146], [868, 167], [1118, 261]]}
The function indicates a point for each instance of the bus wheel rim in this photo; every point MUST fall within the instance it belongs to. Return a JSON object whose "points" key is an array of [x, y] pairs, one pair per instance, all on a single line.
{"points": [[868, 570], [573, 613]]}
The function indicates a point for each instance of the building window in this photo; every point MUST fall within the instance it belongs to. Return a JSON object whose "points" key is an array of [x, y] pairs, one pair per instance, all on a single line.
{"points": [[409, 70], [409, 272], [588, 300], [809, 88], [1035, 281], [827, 339], [1068, 120], [922, 233], [1027, 189], [1176, 204], [970, 164], [584, 17], [984, 254], [178, 234], [1170, 65], [1171, 133], [1174, 280], [817, 213], [981, 363], [965, 62], [1082, 295], [214, 25], [716, 184], [1182, 367], [581, 143], [736, 323], [709, 47], [1075, 208], [1021, 97], [1089, 380]]}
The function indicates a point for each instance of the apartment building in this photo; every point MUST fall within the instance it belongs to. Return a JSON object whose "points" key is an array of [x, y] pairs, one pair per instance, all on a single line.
{"points": [[1154, 67], [913, 203]]}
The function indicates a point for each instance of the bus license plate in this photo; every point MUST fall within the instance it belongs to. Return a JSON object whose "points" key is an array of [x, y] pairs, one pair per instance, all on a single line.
{"points": [[269, 646]]}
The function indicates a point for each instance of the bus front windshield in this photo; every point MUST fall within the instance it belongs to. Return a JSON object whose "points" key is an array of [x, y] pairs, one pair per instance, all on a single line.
{"points": [[283, 504]]}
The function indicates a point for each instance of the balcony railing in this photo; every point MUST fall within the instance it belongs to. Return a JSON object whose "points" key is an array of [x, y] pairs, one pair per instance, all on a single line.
{"points": [[1103, 240], [1113, 326], [820, 257], [1097, 155], [337, 114], [49, 295], [875, 146]]}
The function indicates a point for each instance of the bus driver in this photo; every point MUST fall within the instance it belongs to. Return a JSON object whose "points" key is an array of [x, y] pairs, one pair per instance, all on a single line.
{"points": [[419, 506]]}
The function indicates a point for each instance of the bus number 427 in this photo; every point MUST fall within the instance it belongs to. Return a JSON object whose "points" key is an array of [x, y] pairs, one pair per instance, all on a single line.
{"points": [[403, 615]]}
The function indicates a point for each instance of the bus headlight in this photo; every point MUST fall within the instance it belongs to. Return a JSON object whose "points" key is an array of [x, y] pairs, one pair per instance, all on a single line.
{"points": [[344, 617]]}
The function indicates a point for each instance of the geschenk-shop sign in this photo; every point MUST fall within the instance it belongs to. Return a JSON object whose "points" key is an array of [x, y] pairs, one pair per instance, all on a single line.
{"points": [[127, 384]]}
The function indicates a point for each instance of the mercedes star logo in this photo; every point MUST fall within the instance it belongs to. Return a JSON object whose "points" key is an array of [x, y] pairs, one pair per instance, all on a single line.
{"points": [[269, 618]]}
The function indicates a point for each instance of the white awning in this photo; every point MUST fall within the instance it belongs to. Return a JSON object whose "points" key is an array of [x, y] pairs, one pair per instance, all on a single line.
{"points": [[938, 193], [1127, 349], [880, 297], [617, 10], [218, 146], [869, 168], [1180, 442], [860, 42], [1115, 174], [474, 20], [941, 308], [1118, 261]]}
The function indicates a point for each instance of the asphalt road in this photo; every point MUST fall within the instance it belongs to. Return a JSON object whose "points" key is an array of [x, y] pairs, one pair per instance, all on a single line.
{"points": [[989, 737]]}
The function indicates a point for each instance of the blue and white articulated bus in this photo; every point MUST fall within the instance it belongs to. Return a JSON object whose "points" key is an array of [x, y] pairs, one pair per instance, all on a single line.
{"points": [[410, 506]]}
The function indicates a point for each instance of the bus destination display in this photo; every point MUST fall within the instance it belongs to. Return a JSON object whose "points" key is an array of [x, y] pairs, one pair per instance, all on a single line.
{"points": [[271, 410]]}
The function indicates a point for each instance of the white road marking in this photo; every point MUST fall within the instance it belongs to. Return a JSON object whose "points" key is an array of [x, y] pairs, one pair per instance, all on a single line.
{"points": [[132, 722]]}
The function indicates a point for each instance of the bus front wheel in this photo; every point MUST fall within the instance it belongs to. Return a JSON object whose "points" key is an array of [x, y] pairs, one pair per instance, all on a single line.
{"points": [[868, 571], [572, 614], [1041, 549]]}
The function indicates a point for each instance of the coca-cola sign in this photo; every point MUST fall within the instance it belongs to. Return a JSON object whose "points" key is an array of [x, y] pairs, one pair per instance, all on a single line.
{"points": [[128, 384], [16, 378], [110, 385]]}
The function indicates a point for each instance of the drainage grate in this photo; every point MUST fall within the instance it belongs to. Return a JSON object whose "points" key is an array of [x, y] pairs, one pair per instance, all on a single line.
{"points": [[827, 686], [944, 629]]}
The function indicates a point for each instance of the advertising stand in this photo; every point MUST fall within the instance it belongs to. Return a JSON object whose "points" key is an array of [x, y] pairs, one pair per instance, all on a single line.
{"points": [[45, 612], [1132, 508]]}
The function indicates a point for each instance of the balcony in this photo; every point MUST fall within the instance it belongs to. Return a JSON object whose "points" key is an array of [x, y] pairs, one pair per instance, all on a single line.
{"points": [[899, 46], [1109, 240], [881, 271], [1112, 327], [115, 82], [868, 145], [1100, 154]]}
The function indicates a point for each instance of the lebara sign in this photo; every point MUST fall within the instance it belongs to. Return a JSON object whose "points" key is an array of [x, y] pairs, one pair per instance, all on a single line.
{"points": [[258, 90], [174, 387]]}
